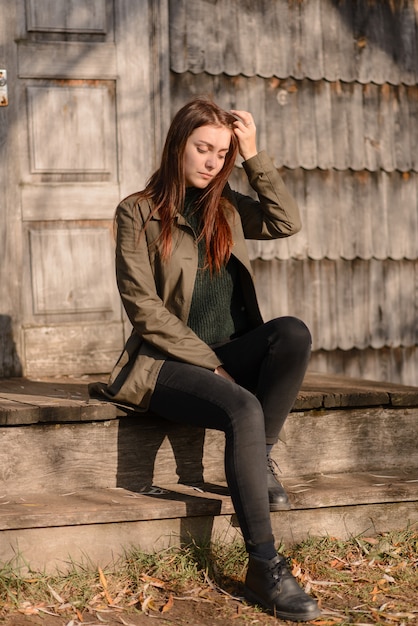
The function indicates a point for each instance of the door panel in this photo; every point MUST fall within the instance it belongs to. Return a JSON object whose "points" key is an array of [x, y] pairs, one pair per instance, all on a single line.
{"points": [[73, 283], [69, 131], [80, 16], [82, 103]]}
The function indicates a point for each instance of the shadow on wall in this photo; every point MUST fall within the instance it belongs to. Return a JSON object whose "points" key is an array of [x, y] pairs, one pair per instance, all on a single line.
{"points": [[139, 439], [10, 365], [388, 24], [145, 462]]}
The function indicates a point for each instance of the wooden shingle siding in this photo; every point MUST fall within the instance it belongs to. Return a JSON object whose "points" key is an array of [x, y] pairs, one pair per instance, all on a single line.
{"points": [[346, 304], [321, 124], [333, 87], [385, 364], [364, 41], [348, 215]]}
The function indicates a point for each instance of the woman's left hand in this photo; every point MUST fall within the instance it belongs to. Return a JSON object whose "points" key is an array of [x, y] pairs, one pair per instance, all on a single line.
{"points": [[245, 131]]}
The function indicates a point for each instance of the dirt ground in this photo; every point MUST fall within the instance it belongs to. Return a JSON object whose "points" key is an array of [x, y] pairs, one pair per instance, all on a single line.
{"points": [[216, 611], [363, 582]]}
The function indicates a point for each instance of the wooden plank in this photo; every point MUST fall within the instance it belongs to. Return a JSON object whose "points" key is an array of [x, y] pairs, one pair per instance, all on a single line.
{"points": [[310, 52], [92, 506], [343, 392], [71, 60], [76, 16], [357, 310], [15, 412], [329, 490], [399, 364], [69, 201], [139, 450], [104, 506], [339, 441], [302, 110], [61, 349], [413, 128], [134, 105], [26, 399], [79, 115], [317, 40], [160, 74], [132, 452], [343, 522], [30, 402], [10, 227], [20, 409], [75, 253], [48, 548], [357, 388]]}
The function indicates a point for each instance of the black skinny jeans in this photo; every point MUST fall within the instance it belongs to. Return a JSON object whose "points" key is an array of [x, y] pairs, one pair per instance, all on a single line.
{"points": [[268, 365]]}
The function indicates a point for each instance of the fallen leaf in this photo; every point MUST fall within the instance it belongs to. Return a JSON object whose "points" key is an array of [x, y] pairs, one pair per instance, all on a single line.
{"points": [[104, 585], [389, 579], [296, 569], [126, 623], [375, 592], [155, 582], [372, 540], [56, 595], [148, 604], [30, 610], [168, 605]]}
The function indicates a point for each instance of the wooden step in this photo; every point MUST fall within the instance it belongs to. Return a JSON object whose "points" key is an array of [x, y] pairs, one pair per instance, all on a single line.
{"points": [[77, 474], [72, 443], [99, 524], [39, 510], [135, 452]]}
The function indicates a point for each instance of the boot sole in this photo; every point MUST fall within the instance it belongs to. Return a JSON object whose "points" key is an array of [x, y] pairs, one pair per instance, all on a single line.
{"points": [[293, 617], [280, 507]]}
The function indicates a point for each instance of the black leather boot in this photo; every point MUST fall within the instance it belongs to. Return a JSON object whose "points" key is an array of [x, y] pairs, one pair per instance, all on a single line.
{"points": [[270, 584], [278, 498]]}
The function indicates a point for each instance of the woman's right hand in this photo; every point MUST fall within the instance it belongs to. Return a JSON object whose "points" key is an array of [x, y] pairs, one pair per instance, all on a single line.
{"points": [[221, 372], [245, 132]]}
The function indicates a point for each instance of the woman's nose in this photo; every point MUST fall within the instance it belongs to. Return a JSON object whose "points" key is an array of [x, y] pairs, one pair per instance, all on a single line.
{"points": [[210, 162]]}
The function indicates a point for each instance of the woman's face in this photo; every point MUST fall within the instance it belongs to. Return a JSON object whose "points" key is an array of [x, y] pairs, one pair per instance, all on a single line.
{"points": [[204, 154]]}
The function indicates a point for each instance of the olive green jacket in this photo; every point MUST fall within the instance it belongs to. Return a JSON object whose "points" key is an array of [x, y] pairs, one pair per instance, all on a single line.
{"points": [[157, 295]]}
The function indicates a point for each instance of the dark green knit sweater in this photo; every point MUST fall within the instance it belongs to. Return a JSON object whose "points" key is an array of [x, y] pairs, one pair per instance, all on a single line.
{"points": [[217, 311]]}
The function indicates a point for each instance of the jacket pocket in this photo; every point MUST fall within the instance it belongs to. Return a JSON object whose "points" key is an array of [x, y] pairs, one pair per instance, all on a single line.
{"points": [[135, 374]]}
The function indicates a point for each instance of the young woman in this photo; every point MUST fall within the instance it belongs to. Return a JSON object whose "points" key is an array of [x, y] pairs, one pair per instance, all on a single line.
{"points": [[199, 353]]}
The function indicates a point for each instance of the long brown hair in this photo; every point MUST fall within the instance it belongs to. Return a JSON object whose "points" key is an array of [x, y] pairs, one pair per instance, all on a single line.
{"points": [[166, 187]]}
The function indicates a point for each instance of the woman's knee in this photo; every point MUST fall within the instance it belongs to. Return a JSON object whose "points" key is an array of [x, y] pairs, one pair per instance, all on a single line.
{"points": [[291, 332], [244, 410]]}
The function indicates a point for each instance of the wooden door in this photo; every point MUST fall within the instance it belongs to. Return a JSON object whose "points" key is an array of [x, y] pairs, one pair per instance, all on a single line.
{"points": [[79, 120]]}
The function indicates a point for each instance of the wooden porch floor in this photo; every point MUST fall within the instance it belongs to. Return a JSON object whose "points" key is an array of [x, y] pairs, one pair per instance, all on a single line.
{"points": [[30, 401], [82, 476]]}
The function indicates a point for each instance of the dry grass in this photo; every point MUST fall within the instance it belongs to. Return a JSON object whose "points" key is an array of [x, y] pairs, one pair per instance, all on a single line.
{"points": [[366, 580]]}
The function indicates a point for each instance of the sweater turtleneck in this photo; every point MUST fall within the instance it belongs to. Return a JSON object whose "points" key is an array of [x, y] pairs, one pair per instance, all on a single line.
{"points": [[217, 311]]}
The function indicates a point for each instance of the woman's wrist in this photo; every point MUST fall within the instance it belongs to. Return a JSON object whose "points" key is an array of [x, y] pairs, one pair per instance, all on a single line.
{"points": [[249, 154]]}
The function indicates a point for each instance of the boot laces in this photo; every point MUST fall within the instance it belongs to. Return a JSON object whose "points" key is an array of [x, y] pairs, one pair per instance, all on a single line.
{"points": [[277, 570], [273, 466]]}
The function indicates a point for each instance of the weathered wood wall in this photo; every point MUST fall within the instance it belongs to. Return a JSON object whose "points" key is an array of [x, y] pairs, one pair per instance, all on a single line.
{"points": [[333, 87], [76, 136]]}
